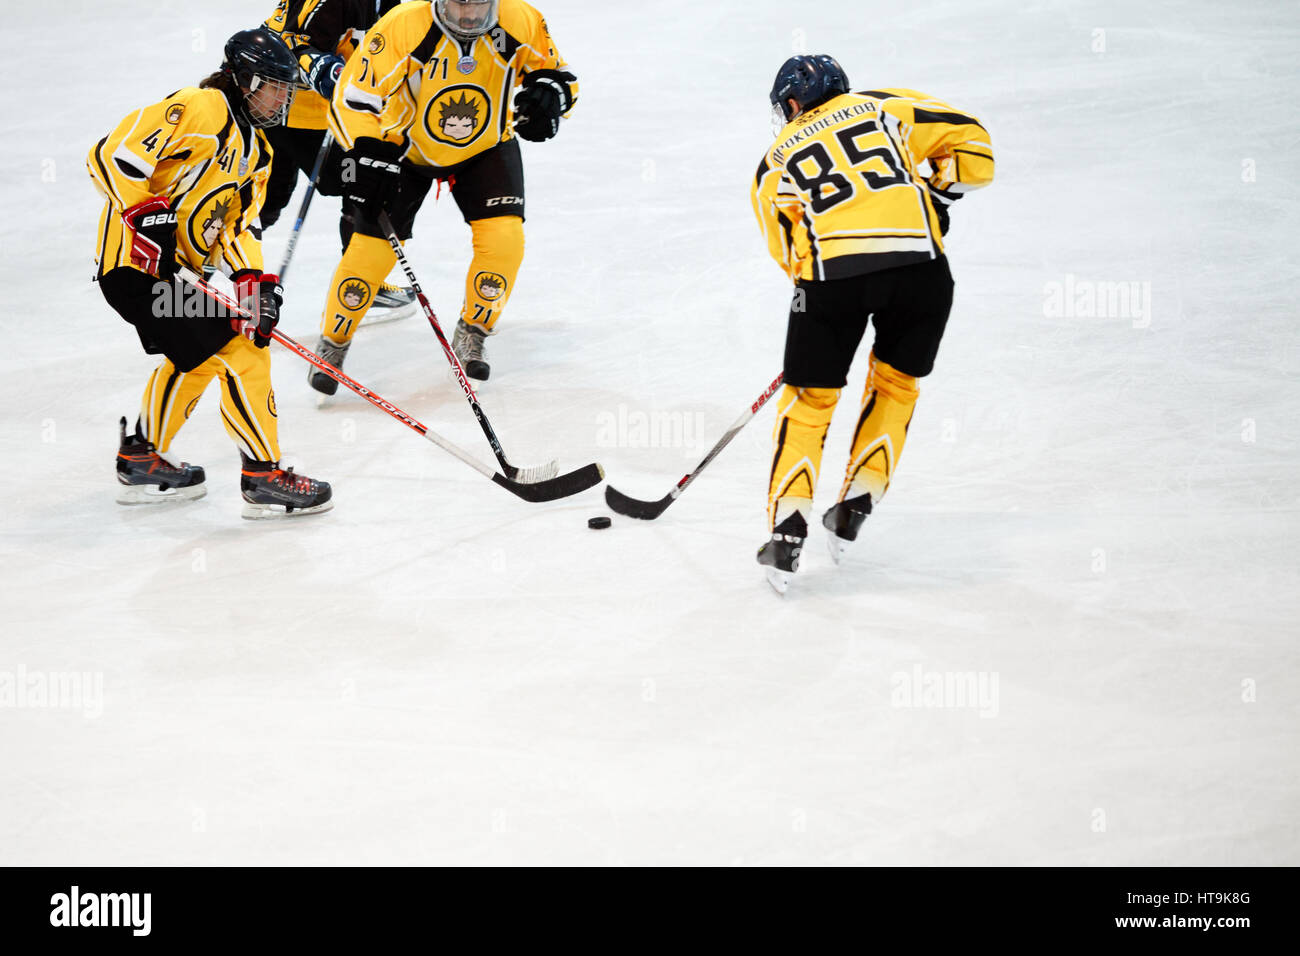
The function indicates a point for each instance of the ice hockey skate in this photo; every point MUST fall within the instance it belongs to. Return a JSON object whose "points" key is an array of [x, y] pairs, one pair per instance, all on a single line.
{"points": [[149, 478], [391, 302], [273, 492], [332, 353], [780, 555], [467, 343], [844, 520]]}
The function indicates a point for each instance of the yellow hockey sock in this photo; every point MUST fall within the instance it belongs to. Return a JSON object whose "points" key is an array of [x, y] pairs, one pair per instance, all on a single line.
{"points": [[168, 401], [498, 252], [363, 267], [798, 437], [888, 402]]}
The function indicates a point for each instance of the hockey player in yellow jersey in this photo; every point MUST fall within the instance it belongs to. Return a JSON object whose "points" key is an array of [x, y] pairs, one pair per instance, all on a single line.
{"points": [[431, 95], [183, 182], [856, 219], [322, 35]]}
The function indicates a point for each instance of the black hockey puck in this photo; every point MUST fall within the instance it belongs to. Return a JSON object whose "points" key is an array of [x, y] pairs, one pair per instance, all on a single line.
{"points": [[599, 522]]}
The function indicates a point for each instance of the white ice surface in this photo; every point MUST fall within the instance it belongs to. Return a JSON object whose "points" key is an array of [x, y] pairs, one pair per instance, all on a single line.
{"points": [[1101, 512]]}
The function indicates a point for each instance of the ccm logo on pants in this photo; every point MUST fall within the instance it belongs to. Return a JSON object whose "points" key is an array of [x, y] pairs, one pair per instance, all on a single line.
{"points": [[505, 201]]}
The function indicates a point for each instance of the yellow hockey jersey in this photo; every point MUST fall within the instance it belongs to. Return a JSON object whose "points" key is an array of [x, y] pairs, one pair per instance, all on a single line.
{"points": [[841, 192], [211, 167], [310, 28], [412, 82]]}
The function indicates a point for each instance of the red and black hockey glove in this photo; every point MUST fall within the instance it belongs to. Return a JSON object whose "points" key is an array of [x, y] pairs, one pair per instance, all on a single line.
{"points": [[152, 225], [546, 96], [262, 295]]}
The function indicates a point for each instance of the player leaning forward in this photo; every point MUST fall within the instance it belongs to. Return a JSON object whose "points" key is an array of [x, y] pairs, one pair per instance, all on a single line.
{"points": [[429, 96], [851, 217], [184, 180]]}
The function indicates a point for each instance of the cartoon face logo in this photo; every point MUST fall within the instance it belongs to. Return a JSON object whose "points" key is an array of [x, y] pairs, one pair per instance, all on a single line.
{"points": [[270, 404], [354, 293], [174, 113], [213, 225], [203, 230], [458, 115], [376, 43], [490, 285]]}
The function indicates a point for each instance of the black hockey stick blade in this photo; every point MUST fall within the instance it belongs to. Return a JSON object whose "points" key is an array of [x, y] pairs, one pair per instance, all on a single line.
{"points": [[635, 508], [553, 489]]}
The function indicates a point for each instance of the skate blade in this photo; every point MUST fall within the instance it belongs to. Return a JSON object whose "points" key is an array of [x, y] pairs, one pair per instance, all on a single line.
{"points": [[150, 495], [262, 512], [322, 400], [378, 315], [780, 580], [837, 546]]}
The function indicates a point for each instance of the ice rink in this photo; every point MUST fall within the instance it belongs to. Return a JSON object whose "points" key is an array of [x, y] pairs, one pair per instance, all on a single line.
{"points": [[1093, 526]]}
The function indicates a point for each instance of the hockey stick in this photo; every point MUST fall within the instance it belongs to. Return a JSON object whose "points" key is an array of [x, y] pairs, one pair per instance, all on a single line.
{"points": [[536, 472], [556, 488], [306, 203], [649, 510]]}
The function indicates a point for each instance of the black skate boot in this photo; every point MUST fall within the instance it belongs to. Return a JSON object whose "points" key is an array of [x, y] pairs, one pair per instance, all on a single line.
{"points": [[391, 302], [149, 478], [844, 521], [467, 343], [334, 354], [780, 556], [273, 492]]}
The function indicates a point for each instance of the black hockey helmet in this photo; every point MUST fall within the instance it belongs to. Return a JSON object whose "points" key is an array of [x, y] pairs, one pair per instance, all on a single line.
{"points": [[266, 72], [809, 80]]}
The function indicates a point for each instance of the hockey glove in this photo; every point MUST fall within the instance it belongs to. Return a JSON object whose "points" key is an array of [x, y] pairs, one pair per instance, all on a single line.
{"points": [[546, 96], [324, 73], [262, 295], [942, 201], [152, 225], [372, 175]]}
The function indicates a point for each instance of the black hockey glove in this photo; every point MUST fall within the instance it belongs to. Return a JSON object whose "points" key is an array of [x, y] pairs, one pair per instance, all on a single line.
{"points": [[324, 73], [546, 96], [153, 236], [372, 175], [941, 202], [262, 295]]}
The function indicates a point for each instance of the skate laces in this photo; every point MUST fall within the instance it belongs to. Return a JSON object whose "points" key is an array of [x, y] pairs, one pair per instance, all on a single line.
{"points": [[286, 479]]}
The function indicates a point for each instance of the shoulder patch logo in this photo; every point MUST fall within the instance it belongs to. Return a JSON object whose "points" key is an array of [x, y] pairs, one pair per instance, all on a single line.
{"points": [[458, 115], [175, 112], [270, 403], [376, 44], [354, 293]]}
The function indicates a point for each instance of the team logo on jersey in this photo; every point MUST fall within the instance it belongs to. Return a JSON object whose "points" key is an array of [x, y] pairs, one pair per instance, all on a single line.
{"points": [[490, 285], [376, 43], [204, 225], [466, 64], [458, 115], [270, 404], [174, 113], [354, 293]]}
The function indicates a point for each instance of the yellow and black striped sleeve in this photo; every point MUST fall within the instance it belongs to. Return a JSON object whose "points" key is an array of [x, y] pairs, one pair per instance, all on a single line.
{"points": [[536, 46], [123, 163], [366, 99], [956, 143], [778, 209]]}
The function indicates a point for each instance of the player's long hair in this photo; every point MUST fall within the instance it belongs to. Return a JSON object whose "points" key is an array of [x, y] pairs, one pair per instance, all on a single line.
{"points": [[225, 82]]}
